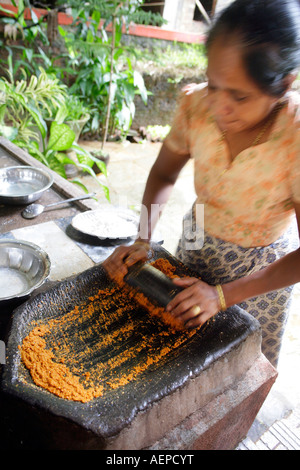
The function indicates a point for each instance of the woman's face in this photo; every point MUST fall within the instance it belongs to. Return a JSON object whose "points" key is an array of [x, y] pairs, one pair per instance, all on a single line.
{"points": [[235, 100]]}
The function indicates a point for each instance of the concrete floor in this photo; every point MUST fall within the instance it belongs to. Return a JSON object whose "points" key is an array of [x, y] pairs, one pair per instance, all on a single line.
{"points": [[277, 425], [128, 169]]}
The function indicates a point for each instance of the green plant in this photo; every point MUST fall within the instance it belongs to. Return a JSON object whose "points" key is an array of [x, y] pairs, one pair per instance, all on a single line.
{"points": [[72, 109], [178, 55], [104, 77], [22, 105], [25, 56], [61, 139], [147, 17], [75, 108]]}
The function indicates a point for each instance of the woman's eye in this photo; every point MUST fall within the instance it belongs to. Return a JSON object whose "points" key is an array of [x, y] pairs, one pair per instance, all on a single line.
{"points": [[240, 98]]}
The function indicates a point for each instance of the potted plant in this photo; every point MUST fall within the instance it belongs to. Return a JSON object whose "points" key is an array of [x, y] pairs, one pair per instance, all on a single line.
{"points": [[55, 155], [74, 113], [101, 155], [24, 102]]}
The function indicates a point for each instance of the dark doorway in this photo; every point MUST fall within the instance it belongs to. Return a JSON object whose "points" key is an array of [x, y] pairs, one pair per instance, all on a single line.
{"points": [[156, 6], [208, 6]]}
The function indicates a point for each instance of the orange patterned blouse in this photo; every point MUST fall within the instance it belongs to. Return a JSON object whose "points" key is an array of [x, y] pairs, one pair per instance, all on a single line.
{"points": [[251, 203]]}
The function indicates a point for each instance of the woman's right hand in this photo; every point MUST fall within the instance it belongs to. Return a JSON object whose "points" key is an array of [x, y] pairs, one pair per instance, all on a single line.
{"points": [[117, 264]]}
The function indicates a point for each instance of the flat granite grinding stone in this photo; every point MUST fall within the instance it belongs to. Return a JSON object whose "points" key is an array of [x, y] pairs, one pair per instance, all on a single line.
{"points": [[142, 411]]}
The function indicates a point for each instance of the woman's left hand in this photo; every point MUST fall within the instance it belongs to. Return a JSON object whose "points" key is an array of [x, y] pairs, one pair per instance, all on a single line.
{"points": [[195, 304]]}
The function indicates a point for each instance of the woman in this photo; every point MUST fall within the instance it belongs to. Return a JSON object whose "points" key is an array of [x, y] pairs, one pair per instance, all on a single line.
{"points": [[241, 129]]}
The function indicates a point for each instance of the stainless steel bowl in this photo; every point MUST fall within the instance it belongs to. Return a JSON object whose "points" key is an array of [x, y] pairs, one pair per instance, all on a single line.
{"points": [[23, 184], [23, 268]]}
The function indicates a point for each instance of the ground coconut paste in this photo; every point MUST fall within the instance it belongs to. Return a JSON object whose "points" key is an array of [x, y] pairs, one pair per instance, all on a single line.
{"points": [[102, 344]]}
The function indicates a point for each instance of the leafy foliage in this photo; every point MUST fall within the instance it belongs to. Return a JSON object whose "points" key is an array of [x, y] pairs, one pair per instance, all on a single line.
{"points": [[147, 17], [26, 56], [21, 111], [96, 64], [23, 103], [102, 67]]}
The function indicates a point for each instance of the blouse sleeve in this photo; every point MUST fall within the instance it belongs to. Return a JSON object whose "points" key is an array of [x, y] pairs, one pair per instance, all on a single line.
{"points": [[294, 166], [295, 173], [178, 140], [190, 104]]}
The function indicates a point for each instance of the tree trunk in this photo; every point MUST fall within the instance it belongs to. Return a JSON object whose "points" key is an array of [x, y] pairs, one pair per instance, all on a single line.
{"points": [[110, 81]]}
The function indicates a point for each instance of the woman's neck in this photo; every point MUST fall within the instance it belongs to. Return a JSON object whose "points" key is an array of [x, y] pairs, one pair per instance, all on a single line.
{"points": [[258, 134]]}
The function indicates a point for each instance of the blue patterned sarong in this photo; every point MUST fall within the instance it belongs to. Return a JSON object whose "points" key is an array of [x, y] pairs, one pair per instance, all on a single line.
{"points": [[219, 262]]}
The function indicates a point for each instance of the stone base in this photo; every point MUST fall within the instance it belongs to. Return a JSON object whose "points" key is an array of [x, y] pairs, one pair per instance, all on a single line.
{"points": [[220, 424], [205, 395], [225, 421], [213, 411]]}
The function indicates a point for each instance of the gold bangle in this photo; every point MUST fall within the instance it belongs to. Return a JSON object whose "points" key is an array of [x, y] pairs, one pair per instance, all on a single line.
{"points": [[221, 297]]}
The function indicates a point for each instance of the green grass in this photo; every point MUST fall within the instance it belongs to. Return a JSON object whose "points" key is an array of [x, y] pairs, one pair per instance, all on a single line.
{"points": [[177, 55]]}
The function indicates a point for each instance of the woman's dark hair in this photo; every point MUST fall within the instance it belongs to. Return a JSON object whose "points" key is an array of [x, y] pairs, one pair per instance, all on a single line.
{"points": [[270, 36]]}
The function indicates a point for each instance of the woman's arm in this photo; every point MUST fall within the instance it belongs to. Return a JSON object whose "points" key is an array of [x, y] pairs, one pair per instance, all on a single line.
{"points": [[161, 180], [282, 273]]}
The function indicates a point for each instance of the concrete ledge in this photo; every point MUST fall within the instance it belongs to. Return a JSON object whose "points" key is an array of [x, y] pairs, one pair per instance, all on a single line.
{"points": [[203, 396], [64, 187], [211, 411], [225, 421], [134, 29]]}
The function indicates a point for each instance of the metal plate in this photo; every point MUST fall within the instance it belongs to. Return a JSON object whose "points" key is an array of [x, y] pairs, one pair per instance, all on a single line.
{"points": [[23, 268], [23, 184], [109, 222]]}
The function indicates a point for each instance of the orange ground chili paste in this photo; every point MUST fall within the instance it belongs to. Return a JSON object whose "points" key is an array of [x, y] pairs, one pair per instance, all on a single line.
{"points": [[103, 344]]}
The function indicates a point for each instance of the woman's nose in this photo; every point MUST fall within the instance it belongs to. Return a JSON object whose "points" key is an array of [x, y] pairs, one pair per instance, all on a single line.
{"points": [[222, 104]]}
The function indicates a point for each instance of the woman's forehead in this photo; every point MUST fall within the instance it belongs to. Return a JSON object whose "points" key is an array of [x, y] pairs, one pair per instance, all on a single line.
{"points": [[226, 65]]}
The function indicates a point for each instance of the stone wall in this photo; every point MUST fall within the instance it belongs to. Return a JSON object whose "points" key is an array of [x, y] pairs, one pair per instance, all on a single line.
{"points": [[162, 103], [164, 84]]}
